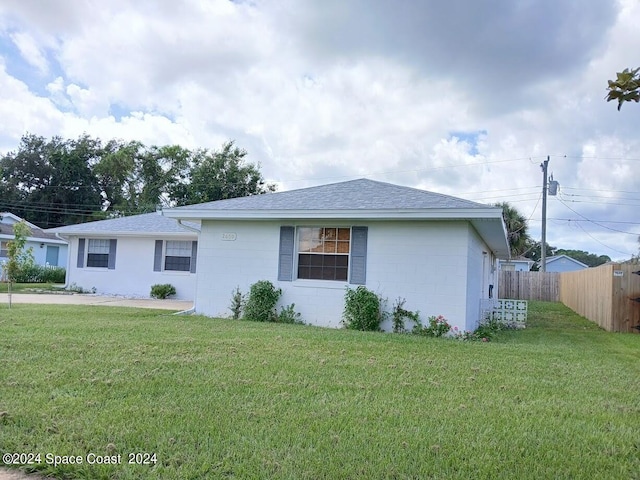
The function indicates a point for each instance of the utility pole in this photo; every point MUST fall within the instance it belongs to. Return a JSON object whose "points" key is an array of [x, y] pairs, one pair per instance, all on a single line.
{"points": [[543, 245]]}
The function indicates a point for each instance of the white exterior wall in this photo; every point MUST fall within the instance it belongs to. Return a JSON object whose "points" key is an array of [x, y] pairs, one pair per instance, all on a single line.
{"points": [[482, 268], [133, 274], [425, 263], [224, 265]]}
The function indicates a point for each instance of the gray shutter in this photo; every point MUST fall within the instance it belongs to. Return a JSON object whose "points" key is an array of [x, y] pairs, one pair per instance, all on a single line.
{"points": [[80, 263], [194, 256], [285, 260], [157, 257], [112, 254], [359, 255]]}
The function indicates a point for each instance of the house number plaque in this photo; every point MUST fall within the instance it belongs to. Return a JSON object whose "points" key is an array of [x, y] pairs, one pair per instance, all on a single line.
{"points": [[228, 237]]}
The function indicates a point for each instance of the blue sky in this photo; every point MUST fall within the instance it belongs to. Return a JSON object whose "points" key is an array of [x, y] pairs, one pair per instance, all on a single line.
{"points": [[463, 101]]}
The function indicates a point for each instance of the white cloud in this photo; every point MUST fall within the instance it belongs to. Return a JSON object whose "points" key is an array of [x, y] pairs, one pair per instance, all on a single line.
{"points": [[30, 51]]}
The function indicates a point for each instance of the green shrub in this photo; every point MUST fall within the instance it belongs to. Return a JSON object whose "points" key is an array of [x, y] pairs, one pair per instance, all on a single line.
{"points": [[289, 315], [488, 328], [237, 303], [261, 302], [362, 310], [399, 315], [438, 327], [31, 273], [162, 290]]}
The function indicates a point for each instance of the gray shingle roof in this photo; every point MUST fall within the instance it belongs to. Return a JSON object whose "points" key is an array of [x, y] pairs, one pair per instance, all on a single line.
{"points": [[361, 194], [35, 232], [136, 224]]}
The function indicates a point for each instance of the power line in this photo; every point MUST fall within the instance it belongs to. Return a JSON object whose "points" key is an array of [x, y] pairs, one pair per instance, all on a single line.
{"points": [[604, 245], [595, 223]]}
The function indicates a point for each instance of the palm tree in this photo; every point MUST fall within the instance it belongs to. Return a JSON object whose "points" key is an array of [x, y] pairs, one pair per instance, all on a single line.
{"points": [[516, 223]]}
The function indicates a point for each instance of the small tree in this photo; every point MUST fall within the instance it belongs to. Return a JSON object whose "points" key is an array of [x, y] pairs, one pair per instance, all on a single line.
{"points": [[18, 257]]}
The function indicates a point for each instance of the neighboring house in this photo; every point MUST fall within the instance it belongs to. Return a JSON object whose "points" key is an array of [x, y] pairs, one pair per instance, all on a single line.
{"points": [[46, 247], [436, 251], [563, 263], [520, 264], [127, 255]]}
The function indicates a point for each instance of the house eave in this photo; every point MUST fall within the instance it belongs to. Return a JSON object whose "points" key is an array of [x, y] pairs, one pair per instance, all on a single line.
{"points": [[36, 239], [395, 214], [113, 234]]}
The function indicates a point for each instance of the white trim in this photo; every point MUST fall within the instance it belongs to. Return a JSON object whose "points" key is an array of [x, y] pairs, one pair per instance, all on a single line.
{"points": [[115, 234], [36, 239], [387, 214]]}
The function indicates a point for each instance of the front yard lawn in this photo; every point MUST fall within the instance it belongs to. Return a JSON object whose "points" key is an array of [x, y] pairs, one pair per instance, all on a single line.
{"points": [[230, 399]]}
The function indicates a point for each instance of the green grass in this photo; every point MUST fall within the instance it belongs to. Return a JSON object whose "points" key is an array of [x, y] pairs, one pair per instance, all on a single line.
{"points": [[232, 399], [30, 287]]}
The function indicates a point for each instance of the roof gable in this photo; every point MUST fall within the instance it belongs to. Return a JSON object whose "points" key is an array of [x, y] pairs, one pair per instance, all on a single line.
{"points": [[8, 220], [558, 257]]}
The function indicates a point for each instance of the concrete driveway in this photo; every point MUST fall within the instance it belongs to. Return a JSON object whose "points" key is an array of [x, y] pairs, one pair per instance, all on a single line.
{"points": [[89, 299]]}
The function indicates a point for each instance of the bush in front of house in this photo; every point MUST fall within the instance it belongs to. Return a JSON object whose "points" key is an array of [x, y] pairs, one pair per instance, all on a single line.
{"points": [[162, 290], [30, 273], [238, 301], [437, 327], [400, 314], [362, 310], [288, 314], [261, 302]]}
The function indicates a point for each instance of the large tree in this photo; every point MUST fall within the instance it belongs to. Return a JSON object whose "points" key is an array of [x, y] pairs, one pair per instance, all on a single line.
{"points": [[59, 182], [517, 229], [219, 175], [50, 182], [625, 88], [587, 258]]}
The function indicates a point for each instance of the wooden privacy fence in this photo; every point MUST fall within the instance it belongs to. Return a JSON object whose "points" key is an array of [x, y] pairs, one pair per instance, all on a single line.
{"points": [[608, 295], [529, 285]]}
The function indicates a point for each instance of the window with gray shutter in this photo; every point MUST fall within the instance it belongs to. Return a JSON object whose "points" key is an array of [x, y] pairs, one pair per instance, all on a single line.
{"points": [[112, 254], [287, 245], [359, 255], [80, 263], [157, 256], [194, 256]]}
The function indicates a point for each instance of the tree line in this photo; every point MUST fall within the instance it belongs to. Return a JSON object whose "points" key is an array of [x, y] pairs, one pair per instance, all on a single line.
{"points": [[54, 182]]}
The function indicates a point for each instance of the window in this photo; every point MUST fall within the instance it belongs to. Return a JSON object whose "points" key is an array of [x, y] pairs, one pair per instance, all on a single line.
{"points": [[4, 249], [98, 253], [178, 256], [175, 256], [323, 253]]}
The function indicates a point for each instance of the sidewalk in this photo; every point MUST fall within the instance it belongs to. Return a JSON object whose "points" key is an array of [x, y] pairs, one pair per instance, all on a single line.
{"points": [[89, 299]]}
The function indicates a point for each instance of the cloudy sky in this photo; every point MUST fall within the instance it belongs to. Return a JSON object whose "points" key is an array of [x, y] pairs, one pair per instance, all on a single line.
{"points": [[458, 97]]}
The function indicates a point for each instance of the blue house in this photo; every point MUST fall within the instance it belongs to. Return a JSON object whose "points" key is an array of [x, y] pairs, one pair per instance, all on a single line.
{"points": [[563, 263]]}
